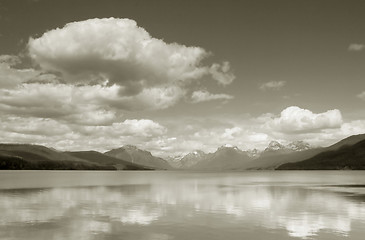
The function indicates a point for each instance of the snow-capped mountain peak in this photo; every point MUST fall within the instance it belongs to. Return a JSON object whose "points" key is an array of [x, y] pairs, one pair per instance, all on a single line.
{"points": [[229, 146], [298, 146], [274, 146]]}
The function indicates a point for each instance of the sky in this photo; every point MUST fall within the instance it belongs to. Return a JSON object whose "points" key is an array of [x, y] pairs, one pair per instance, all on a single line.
{"points": [[174, 76]]}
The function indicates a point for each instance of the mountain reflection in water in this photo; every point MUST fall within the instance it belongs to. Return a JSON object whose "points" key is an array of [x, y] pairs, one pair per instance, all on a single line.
{"points": [[185, 207]]}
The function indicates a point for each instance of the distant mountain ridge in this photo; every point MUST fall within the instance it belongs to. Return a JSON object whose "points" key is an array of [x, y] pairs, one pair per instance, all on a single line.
{"points": [[299, 146], [100, 158], [191, 159], [226, 157], [273, 161], [296, 146], [347, 154], [36, 157], [274, 155], [135, 155], [274, 146], [351, 140]]}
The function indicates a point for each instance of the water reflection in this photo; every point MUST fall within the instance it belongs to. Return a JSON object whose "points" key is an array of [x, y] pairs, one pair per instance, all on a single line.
{"points": [[182, 209]]}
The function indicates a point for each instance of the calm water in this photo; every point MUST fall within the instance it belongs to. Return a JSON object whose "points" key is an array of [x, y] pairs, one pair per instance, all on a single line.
{"points": [[180, 205]]}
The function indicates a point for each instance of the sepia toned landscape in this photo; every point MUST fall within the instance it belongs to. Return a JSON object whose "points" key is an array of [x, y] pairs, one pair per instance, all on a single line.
{"points": [[167, 119]]}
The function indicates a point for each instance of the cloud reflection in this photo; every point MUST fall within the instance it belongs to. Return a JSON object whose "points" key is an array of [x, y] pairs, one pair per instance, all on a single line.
{"points": [[301, 212]]}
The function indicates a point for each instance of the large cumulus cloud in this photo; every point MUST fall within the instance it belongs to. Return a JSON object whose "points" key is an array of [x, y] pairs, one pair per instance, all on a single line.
{"points": [[88, 75], [295, 119], [117, 51]]}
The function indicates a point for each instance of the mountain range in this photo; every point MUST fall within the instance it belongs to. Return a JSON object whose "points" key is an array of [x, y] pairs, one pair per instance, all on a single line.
{"points": [[346, 154], [225, 158], [346, 157], [36, 157], [232, 158], [272, 157], [135, 155]]}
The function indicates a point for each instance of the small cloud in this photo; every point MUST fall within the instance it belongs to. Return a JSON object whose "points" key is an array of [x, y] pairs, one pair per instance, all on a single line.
{"points": [[141, 127], [203, 96], [272, 85], [222, 73], [361, 95], [231, 133], [356, 47], [10, 60]]}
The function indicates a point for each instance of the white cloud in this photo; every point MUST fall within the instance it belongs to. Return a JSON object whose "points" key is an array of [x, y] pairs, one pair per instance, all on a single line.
{"points": [[231, 133], [222, 73], [203, 96], [117, 51], [89, 105], [95, 129], [156, 98], [258, 138], [352, 128], [80, 104], [142, 127], [91, 73], [44, 131], [293, 124], [68, 136], [356, 47], [133, 129], [10, 60], [43, 127], [11, 77], [294, 119], [272, 85], [361, 95]]}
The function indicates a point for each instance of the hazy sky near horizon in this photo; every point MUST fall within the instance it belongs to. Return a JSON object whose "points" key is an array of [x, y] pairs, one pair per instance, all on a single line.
{"points": [[175, 76]]}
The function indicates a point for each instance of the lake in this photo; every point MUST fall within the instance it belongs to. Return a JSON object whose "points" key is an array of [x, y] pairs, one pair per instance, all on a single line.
{"points": [[161, 205]]}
